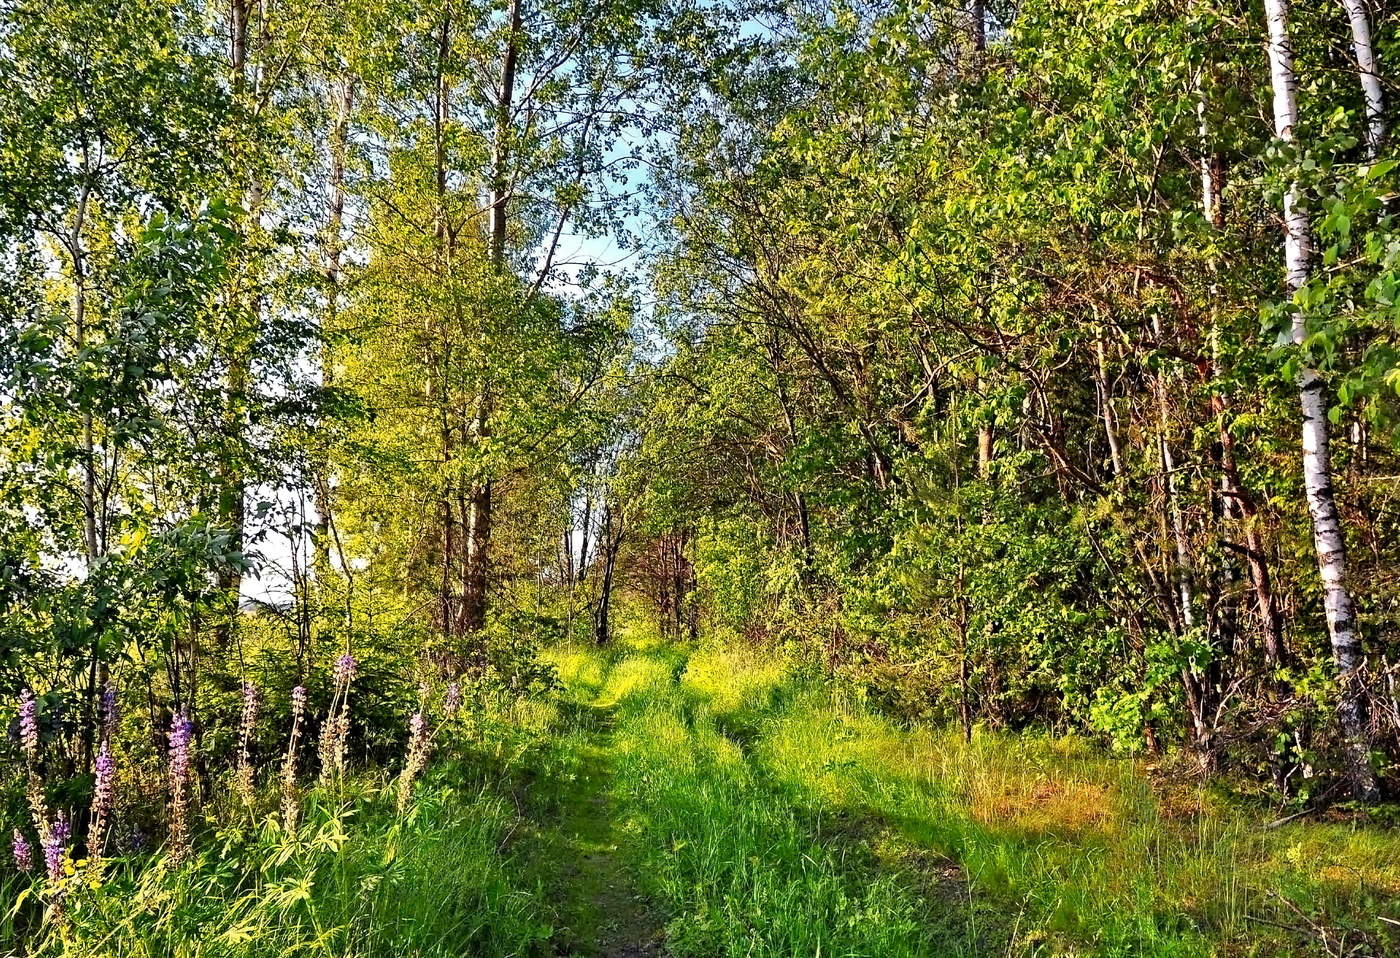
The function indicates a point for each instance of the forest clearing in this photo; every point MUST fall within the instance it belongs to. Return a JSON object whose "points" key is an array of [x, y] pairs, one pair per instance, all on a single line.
{"points": [[699, 478]]}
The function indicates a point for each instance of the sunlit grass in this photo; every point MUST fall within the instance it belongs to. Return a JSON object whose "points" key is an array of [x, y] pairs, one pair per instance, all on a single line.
{"points": [[355, 880], [1039, 845]]}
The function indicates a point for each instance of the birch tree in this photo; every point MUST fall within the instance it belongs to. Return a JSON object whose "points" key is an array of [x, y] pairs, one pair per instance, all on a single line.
{"points": [[1328, 535]]}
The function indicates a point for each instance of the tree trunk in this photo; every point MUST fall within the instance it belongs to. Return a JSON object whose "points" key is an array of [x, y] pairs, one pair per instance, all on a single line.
{"points": [[500, 147], [478, 546], [1360, 18], [333, 247], [1317, 469], [232, 472], [610, 541]]}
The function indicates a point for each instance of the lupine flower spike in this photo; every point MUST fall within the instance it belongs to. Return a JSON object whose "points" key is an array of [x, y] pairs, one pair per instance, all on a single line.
{"points": [[181, 733], [337, 728], [29, 726], [452, 701], [243, 776], [29, 742], [109, 713], [23, 852], [416, 758], [55, 845], [105, 768], [291, 807]]}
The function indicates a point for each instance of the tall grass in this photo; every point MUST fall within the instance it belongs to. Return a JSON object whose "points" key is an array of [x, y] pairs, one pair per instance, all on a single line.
{"points": [[782, 816], [355, 880], [763, 811]]}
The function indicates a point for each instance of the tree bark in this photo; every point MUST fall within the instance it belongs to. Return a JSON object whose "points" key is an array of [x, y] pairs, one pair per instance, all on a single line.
{"points": [[610, 542], [232, 486], [333, 248], [1328, 538], [1365, 53], [500, 147]]}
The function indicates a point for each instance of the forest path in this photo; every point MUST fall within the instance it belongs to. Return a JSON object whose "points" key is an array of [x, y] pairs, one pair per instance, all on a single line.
{"points": [[601, 911]]}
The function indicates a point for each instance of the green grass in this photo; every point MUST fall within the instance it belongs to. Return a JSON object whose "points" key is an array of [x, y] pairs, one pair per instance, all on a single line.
{"points": [[782, 817], [731, 803], [357, 880]]}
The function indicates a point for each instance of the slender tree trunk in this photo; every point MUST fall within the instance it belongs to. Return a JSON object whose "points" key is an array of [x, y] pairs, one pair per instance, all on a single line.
{"points": [[333, 249], [1360, 17], [610, 542], [1193, 679], [1110, 419], [478, 546], [584, 533], [1317, 469], [478, 518], [1237, 504], [500, 147], [232, 486], [449, 615]]}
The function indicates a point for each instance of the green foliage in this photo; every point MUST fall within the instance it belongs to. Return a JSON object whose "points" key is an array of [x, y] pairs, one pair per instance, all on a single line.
{"points": [[352, 881]]}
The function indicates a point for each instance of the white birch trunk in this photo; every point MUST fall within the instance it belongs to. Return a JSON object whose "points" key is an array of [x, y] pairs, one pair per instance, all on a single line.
{"points": [[1360, 18], [1317, 469]]}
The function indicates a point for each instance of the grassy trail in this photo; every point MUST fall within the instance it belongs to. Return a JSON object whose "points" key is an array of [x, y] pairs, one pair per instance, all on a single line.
{"points": [[601, 912], [719, 803]]}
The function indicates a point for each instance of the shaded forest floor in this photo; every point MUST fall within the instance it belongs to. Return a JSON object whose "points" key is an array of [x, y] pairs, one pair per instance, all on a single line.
{"points": [[722, 802]]}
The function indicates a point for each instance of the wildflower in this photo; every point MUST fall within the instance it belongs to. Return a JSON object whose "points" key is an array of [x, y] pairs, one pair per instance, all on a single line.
{"points": [[109, 712], [105, 768], [29, 725], [243, 777], [452, 701], [181, 732], [291, 808], [417, 757], [345, 668], [24, 852], [55, 844], [337, 728]]}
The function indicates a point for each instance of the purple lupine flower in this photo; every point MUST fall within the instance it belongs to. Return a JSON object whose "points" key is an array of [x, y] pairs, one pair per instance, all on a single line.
{"points": [[29, 724], [109, 711], [243, 775], [103, 788], [417, 756], [291, 806], [336, 729], [24, 852], [181, 733], [134, 842], [55, 843], [251, 699], [345, 667], [452, 701]]}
